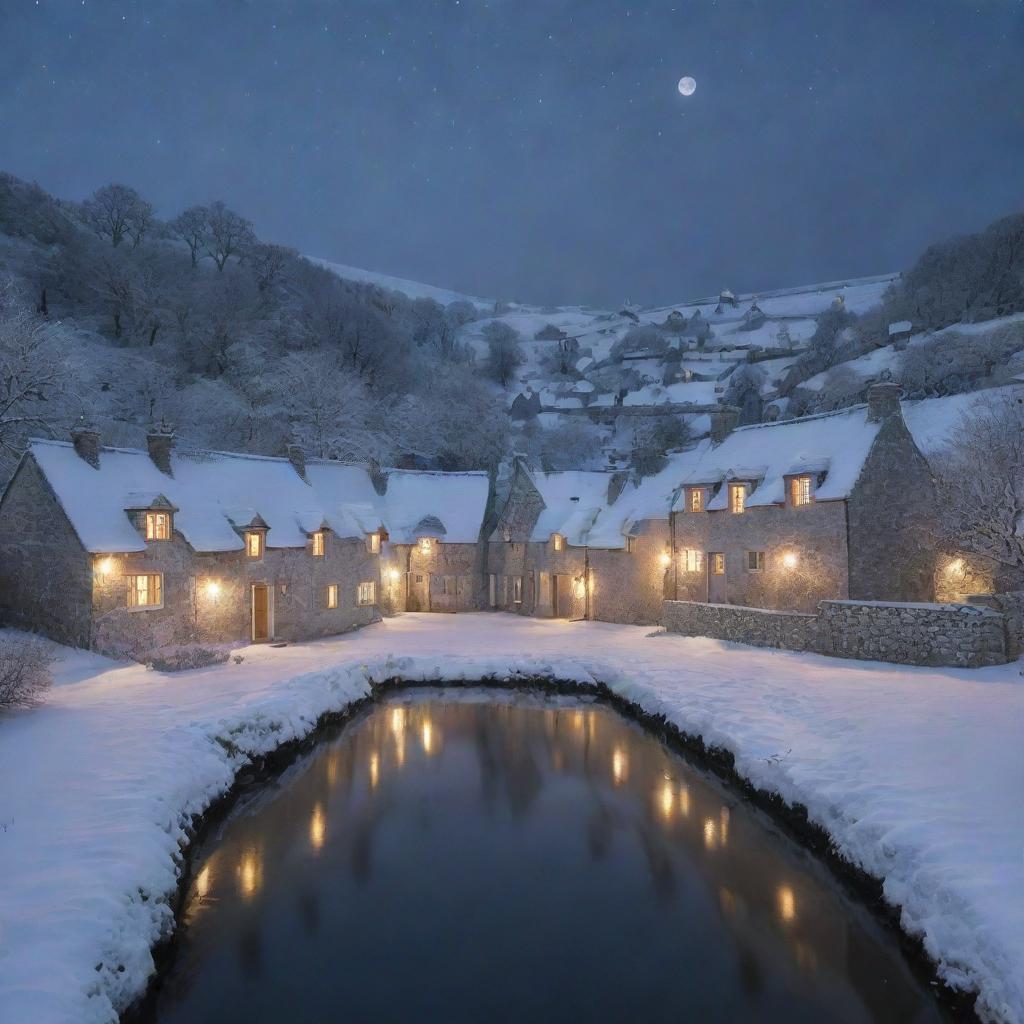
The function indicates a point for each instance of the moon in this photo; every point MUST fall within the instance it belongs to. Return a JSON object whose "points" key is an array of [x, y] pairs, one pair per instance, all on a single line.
{"points": [[687, 85]]}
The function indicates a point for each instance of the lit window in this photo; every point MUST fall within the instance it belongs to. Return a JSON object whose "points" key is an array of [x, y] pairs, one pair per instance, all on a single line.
{"points": [[367, 593], [158, 526], [374, 543], [800, 490], [425, 545], [517, 589], [631, 545], [718, 563], [145, 590], [695, 499], [737, 498], [332, 595], [693, 560], [755, 561], [558, 541], [318, 544], [254, 544]]}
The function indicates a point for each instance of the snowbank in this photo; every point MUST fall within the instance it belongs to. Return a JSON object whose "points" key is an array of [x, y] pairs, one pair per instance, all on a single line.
{"points": [[916, 773]]}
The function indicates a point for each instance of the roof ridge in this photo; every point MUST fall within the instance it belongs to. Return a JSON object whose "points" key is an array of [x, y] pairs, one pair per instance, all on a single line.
{"points": [[802, 419]]}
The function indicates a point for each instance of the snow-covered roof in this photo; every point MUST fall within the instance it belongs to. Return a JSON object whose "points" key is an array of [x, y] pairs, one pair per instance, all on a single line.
{"points": [[215, 493], [572, 501], [900, 327]]}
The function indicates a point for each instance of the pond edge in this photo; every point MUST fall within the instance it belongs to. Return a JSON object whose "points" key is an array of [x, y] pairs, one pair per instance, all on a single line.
{"points": [[791, 818]]}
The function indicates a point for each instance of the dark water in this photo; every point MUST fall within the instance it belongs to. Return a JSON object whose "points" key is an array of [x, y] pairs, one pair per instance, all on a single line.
{"points": [[511, 858]]}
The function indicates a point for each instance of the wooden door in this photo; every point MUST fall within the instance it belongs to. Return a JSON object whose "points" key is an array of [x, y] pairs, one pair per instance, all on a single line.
{"points": [[556, 595], [492, 590], [260, 612], [716, 577], [419, 591]]}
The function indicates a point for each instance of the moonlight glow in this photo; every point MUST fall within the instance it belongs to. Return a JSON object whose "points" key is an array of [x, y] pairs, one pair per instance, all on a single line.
{"points": [[687, 85]]}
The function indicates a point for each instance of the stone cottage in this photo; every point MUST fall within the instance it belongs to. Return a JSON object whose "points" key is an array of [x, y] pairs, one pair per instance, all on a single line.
{"points": [[123, 550]]}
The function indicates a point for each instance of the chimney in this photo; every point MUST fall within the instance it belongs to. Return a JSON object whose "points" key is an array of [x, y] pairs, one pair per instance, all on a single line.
{"points": [[723, 422], [160, 442], [87, 444], [378, 477], [883, 401], [297, 457], [616, 483]]}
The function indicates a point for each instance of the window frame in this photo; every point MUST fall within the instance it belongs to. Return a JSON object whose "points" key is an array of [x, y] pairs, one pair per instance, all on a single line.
{"points": [[716, 563], [153, 519], [373, 543], [425, 545], [630, 544], [131, 590], [517, 589], [261, 543], [557, 542], [366, 593], [333, 598], [318, 544], [740, 490], [695, 495], [801, 490], [759, 561], [692, 559]]}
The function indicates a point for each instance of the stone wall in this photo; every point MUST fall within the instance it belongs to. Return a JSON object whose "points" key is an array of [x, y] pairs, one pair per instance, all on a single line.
{"points": [[448, 578], [630, 586], [541, 569], [1010, 604], [910, 634]]}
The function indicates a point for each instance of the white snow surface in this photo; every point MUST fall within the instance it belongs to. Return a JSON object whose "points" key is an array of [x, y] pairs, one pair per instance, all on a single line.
{"points": [[917, 775]]}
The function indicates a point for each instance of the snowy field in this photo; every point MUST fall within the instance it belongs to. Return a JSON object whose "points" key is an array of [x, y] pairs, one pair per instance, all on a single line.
{"points": [[916, 773]]}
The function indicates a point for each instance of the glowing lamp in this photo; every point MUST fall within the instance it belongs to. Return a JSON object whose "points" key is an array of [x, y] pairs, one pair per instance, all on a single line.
{"points": [[790, 560], [579, 587], [665, 558], [394, 575], [213, 590], [104, 567]]}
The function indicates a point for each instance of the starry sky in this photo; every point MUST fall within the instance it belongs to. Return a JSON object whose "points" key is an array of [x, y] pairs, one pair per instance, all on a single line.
{"points": [[538, 149]]}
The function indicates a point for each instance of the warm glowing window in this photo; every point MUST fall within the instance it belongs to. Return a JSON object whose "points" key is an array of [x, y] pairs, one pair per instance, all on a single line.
{"points": [[558, 541], [318, 544], [631, 545], [695, 499], [145, 590], [254, 544], [737, 498], [332, 595], [425, 545], [718, 563], [800, 490], [755, 561], [693, 560], [158, 526], [374, 543], [367, 592], [517, 589]]}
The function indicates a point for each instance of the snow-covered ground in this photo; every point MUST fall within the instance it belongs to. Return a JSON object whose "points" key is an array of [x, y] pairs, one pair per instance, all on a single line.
{"points": [[916, 773]]}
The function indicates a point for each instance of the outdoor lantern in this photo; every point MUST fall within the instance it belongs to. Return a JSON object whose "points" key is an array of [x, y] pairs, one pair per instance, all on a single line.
{"points": [[665, 558], [394, 575], [790, 560], [579, 587], [213, 590], [104, 567]]}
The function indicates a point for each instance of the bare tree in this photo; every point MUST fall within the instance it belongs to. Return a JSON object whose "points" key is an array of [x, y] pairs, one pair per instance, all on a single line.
{"points": [[981, 485], [117, 212], [228, 234], [268, 263], [504, 353], [24, 670], [192, 227]]}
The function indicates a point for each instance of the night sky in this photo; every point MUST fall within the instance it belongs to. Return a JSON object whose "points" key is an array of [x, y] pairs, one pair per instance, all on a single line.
{"points": [[538, 149]]}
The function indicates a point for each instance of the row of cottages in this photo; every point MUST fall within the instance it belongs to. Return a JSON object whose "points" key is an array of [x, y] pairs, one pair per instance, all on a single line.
{"points": [[124, 550], [777, 515]]}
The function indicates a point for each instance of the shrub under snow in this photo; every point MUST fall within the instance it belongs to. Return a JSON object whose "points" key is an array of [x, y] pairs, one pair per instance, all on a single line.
{"points": [[179, 657], [24, 670]]}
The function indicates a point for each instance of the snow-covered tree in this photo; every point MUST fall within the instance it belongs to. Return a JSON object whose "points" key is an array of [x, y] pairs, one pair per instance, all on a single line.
{"points": [[118, 212], [504, 353], [227, 234], [192, 227]]}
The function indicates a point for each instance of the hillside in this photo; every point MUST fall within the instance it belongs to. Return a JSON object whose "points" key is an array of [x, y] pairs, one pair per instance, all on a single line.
{"points": [[244, 345]]}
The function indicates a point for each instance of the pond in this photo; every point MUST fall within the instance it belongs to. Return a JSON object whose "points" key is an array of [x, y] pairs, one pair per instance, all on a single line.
{"points": [[487, 856]]}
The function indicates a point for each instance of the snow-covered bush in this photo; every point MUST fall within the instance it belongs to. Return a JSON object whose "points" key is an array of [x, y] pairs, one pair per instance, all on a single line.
{"points": [[24, 670], [954, 362], [181, 657]]}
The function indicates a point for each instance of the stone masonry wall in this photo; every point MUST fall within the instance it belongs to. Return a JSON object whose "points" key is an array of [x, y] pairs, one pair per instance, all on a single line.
{"points": [[630, 586], [448, 579], [45, 573], [908, 634]]}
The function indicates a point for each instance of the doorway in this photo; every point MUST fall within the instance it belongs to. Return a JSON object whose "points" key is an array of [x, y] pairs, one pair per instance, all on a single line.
{"points": [[419, 592], [262, 613], [716, 578]]}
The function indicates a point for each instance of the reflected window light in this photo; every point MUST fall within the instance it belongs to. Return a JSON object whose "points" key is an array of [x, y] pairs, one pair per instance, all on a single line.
{"points": [[203, 883], [710, 834], [668, 800], [620, 767], [317, 828], [374, 769], [332, 769], [577, 720], [398, 721], [249, 870], [727, 901], [723, 824], [684, 801], [787, 903], [427, 736]]}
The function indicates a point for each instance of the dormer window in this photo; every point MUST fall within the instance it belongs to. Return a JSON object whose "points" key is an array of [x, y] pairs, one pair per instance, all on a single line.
{"points": [[373, 543], [800, 491], [737, 498], [254, 544], [318, 544], [426, 545], [158, 526], [694, 499], [558, 542]]}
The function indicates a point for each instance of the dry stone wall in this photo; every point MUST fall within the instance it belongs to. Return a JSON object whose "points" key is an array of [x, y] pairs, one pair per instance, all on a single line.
{"points": [[962, 636]]}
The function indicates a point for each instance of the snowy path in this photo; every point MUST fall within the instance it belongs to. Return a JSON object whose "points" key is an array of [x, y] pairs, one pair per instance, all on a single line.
{"points": [[917, 773]]}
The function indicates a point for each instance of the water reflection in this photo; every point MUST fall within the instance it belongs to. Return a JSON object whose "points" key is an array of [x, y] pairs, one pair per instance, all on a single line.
{"points": [[479, 843]]}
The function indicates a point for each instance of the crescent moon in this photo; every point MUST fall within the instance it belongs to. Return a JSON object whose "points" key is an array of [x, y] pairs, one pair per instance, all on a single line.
{"points": [[687, 85]]}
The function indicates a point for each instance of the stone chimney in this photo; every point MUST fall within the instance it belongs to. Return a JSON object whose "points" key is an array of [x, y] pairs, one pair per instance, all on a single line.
{"points": [[616, 483], [297, 457], [378, 477], [87, 444], [883, 401], [723, 422], [160, 442]]}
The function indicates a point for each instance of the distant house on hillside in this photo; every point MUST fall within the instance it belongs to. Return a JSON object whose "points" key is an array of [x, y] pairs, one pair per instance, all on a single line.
{"points": [[525, 406], [726, 298], [549, 332], [900, 333]]}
